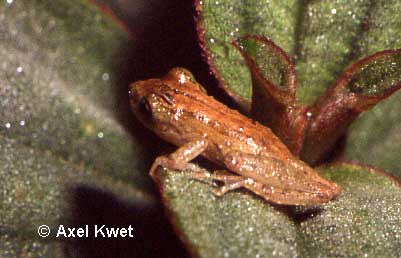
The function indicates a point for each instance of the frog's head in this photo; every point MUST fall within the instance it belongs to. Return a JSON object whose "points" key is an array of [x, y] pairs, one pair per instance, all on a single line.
{"points": [[149, 104], [157, 102]]}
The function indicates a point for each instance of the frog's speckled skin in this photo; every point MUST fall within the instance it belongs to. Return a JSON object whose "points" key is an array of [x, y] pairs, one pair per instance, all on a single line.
{"points": [[178, 110]]}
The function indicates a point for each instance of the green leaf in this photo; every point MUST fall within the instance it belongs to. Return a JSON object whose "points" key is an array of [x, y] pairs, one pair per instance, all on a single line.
{"points": [[375, 139], [59, 118], [237, 225], [361, 87], [57, 85], [221, 22], [268, 60], [20, 247], [378, 130], [365, 220], [324, 37], [377, 76], [327, 31], [37, 188]]}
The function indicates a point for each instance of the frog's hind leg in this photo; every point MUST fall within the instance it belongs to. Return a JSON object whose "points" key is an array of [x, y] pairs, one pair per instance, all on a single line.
{"points": [[179, 160], [233, 181]]}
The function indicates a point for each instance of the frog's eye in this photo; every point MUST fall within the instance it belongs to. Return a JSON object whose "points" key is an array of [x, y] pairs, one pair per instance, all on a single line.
{"points": [[144, 108], [187, 74]]}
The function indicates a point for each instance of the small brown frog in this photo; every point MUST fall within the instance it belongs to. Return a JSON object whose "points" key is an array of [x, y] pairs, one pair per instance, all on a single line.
{"points": [[179, 111]]}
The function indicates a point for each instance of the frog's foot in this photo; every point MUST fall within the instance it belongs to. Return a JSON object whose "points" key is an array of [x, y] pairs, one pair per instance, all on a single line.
{"points": [[231, 182], [179, 160]]}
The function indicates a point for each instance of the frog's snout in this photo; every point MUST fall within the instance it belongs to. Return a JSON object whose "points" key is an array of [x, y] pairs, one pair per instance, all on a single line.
{"points": [[133, 93]]}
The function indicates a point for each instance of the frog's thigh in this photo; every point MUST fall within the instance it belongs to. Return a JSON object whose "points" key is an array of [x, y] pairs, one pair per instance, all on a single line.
{"points": [[179, 159]]}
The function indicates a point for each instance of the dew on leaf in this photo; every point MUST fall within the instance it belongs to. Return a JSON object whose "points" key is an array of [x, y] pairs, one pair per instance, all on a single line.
{"points": [[105, 76]]}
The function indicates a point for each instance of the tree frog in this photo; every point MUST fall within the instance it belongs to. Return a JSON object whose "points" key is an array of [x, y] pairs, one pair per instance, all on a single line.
{"points": [[179, 111]]}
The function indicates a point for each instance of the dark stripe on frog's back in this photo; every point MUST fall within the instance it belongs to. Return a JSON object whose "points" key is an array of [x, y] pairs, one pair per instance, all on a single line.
{"points": [[230, 120]]}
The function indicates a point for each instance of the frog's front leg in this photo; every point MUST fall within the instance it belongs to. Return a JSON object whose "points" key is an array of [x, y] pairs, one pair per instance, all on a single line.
{"points": [[179, 160]]}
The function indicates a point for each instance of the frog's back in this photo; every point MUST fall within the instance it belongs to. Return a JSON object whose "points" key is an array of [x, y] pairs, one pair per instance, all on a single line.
{"points": [[191, 114]]}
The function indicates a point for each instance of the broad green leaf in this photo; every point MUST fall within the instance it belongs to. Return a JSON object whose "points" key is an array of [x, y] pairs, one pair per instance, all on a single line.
{"points": [[381, 30], [57, 85], [327, 31], [37, 189], [375, 138], [60, 117], [20, 247], [365, 220], [237, 225], [334, 34]]}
